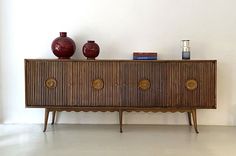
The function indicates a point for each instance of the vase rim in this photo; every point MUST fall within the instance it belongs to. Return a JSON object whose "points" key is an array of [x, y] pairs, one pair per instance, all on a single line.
{"points": [[91, 41], [63, 34]]}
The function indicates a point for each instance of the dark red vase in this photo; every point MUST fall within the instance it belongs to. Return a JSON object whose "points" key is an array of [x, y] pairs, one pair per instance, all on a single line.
{"points": [[91, 50], [63, 47]]}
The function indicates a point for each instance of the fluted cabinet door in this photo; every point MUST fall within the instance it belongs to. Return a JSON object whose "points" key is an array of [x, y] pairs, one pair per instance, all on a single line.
{"points": [[48, 83], [149, 84], [95, 84], [198, 84]]}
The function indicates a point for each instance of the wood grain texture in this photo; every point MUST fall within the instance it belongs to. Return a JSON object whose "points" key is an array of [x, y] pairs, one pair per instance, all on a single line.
{"points": [[84, 93], [38, 94], [74, 84]]}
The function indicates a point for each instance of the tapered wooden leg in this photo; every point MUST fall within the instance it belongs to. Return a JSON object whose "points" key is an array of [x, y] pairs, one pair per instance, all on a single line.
{"points": [[194, 113], [120, 116], [53, 117], [189, 119], [46, 119]]}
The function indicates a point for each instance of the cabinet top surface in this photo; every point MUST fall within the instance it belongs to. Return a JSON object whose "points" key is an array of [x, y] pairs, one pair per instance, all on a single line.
{"points": [[116, 60]]}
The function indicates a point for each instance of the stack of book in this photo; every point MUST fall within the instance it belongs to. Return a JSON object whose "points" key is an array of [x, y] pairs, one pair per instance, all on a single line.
{"points": [[144, 56]]}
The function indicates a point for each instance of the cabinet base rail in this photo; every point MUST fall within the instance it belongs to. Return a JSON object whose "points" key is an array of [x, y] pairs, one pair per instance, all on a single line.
{"points": [[191, 114]]}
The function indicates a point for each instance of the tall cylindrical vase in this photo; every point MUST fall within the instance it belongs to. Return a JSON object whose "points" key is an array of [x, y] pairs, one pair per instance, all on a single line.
{"points": [[185, 49]]}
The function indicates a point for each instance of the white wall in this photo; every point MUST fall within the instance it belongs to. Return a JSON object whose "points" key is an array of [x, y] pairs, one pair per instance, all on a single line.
{"points": [[1, 28], [119, 27]]}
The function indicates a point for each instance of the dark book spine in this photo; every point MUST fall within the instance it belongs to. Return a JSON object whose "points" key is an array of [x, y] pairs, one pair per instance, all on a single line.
{"points": [[145, 54]]}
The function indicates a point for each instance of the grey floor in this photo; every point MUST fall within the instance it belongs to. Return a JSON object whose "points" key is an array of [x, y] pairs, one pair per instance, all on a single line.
{"points": [[105, 140]]}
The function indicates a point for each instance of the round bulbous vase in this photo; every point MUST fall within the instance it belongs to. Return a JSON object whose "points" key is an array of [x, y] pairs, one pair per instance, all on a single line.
{"points": [[91, 50], [63, 47]]}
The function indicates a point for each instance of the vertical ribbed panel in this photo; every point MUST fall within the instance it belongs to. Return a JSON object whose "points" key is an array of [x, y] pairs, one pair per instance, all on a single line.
{"points": [[204, 74], [85, 73], [168, 81], [37, 72], [74, 83], [164, 78]]}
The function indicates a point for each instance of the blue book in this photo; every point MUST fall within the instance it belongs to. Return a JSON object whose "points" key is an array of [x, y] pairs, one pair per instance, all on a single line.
{"points": [[144, 58]]}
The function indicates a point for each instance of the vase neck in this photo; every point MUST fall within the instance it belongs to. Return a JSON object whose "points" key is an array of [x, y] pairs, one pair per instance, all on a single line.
{"points": [[63, 34], [91, 41]]}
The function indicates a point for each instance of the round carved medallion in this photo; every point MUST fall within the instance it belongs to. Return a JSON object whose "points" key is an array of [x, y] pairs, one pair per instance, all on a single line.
{"points": [[144, 84], [191, 84], [98, 84], [51, 83]]}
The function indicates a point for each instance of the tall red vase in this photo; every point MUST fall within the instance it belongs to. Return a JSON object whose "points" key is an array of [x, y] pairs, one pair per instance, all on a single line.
{"points": [[91, 50], [63, 47]]}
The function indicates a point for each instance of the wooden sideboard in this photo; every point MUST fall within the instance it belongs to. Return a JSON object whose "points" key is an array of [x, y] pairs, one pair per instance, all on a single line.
{"points": [[120, 85]]}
